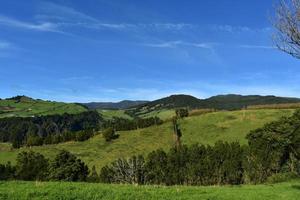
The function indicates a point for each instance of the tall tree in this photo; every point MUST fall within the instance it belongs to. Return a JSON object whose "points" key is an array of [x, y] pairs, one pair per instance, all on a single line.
{"points": [[287, 24]]}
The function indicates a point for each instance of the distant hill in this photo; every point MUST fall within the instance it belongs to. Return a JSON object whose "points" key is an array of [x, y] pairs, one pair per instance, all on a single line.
{"points": [[111, 105], [220, 102], [23, 106], [234, 101]]}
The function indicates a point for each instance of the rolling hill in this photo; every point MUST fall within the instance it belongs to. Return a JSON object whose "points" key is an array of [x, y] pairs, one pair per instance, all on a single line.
{"points": [[206, 129], [219, 102], [22, 106], [111, 105]]}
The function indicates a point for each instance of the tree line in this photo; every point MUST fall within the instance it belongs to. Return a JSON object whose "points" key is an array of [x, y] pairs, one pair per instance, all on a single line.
{"points": [[122, 124], [53, 129], [34, 166], [49, 129]]}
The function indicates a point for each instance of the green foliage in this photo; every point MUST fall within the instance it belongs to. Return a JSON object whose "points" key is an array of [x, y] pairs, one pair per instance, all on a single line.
{"points": [[50, 129], [109, 134], [31, 166], [67, 167], [282, 177], [93, 177], [197, 165], [182, 112], [274, 148], [7, 171]]}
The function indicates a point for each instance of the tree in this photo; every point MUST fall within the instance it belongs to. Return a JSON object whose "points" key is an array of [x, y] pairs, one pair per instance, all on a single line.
{"points": [[67, 167], [110, 134], [176, 132], [130, 171], [182, 112], [93, 176], [31, 166], [287, 24], [7, 171]]}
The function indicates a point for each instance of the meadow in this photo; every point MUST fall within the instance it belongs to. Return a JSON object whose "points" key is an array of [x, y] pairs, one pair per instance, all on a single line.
{"points": [[205, 129], [89, 191], [29, 108]]}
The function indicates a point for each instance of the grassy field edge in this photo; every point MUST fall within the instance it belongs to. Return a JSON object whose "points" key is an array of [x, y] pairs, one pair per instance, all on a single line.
{"points": [[64, 190]]}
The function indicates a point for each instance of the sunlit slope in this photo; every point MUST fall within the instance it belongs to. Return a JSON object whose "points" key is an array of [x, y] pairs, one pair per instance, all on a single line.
{"points": [[205, 129], [31, 107]]}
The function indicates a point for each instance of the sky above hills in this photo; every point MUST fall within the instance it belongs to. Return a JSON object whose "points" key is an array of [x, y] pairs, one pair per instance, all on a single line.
{"points": [[109, 50]]}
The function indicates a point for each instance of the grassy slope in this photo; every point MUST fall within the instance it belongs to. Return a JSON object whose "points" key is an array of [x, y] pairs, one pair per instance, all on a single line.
{"points": [[206, 129], [109, 114], [9, 108], [63, 190]]}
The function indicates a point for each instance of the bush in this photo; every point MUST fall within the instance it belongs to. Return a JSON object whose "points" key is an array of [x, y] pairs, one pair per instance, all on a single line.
{"points": [[67, 167], [182, 112], [110, 134], [281, 177], [31, 166]]}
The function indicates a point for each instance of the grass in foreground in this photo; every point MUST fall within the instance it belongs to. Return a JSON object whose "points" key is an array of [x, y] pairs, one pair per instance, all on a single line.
{"points": [[205, 129], [63, 190]]}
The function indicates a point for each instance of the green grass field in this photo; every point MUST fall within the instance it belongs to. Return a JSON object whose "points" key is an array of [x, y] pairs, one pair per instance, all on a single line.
{"points": [[109, 114], [11, 108], [92, 191], [206, 129]]}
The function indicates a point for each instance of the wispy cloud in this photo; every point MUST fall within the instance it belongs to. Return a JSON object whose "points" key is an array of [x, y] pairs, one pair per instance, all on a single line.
{"points": [[46, 26], [5, 45], [239, 29], [256, 47], [173, 44], [6, 48], [75, 79]]}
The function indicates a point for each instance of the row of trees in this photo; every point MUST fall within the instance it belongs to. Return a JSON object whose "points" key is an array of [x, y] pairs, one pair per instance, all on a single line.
{"points": [[34, 166], [48, 129], [122, 124], [53, 129]]}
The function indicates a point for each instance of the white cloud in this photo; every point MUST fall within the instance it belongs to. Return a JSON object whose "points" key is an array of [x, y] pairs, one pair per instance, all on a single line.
{"points": [[46, 26], [173, 44], [239, 29], [52, 11]]}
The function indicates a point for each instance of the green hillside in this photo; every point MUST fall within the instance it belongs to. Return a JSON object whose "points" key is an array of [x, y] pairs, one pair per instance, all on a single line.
{"points": [[109, 114], [219, 102], [205, 129], [64, 190], [22, 106]]}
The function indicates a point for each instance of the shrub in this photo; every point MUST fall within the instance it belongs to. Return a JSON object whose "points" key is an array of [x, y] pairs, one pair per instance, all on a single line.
{"points": [[67, 167], [31, 166], [110, 134]]}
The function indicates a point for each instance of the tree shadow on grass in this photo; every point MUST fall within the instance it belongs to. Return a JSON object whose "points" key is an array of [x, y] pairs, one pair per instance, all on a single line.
{"points": [[296, 187]]}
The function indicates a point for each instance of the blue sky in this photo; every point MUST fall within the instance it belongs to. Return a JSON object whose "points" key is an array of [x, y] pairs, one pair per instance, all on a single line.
{"points": [[110, 50]]}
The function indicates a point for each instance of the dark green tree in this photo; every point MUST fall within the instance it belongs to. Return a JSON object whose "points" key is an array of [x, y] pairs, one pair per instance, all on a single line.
{"points": [[67, 167], [31, 166]]}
